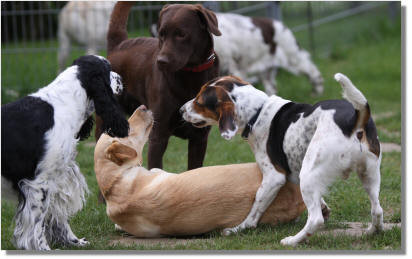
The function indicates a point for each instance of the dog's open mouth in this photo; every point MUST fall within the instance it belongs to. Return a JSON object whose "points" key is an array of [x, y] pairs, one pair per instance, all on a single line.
{"points": [[199, 124]]}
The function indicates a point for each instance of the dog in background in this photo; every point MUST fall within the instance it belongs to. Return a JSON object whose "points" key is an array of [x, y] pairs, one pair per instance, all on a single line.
{"points": [[254, 48], [39, 134], [84, 23], [157, 203], [164, 73], [310, 144]]}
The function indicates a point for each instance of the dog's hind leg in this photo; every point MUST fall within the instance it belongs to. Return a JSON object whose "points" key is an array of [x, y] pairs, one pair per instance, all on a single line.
{"points": [[316, 175], [325, 209], [312, 197], [272, 181], [29, 232], [371, 179]]}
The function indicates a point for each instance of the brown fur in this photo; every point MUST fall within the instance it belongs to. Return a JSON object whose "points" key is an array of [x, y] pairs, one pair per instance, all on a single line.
{"points": [[155, 203], [213, 101], [268, 31], [152, 73]]}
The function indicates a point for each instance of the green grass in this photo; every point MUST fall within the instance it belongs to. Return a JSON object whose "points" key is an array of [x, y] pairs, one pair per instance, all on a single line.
{"points": [[373, 62]]}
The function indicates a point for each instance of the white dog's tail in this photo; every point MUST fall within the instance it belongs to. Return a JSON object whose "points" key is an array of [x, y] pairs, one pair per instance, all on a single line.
{"points": [[356, 98]]}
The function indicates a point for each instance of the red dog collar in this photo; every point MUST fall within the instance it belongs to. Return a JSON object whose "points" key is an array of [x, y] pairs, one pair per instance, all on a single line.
{"points": [[202, 67]]}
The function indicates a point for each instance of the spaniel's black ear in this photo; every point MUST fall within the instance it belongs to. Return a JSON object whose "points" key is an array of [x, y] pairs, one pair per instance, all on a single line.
{"points": [[114, 122], [94, 76], [86, 128]]}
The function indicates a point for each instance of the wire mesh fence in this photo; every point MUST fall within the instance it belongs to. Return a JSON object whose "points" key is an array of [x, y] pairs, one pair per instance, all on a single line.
{"points": [[31, 38]]}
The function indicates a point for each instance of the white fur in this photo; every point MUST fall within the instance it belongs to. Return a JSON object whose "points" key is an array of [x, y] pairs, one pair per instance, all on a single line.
{"points": [[317, 151], [350, 92], [243, 52], [59, 188], [84, 23], [57, 173]]}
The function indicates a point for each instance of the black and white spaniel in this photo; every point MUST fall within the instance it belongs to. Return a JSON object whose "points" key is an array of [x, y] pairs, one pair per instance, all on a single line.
{"points": [[39, 134]]}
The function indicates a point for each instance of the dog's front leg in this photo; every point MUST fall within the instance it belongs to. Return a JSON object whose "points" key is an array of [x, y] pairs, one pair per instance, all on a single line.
{"points": [[272, 181], [197, 148], [64, 234], [157, 147]]}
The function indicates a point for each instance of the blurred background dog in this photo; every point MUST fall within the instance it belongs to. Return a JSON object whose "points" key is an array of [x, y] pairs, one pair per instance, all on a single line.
{"points": [[85, 24]]}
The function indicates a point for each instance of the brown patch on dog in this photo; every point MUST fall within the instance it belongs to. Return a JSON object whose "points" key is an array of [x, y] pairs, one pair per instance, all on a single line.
{"points": [[280, 169], [367, 135], [268, 31], [227, 116], [374, 146], [228, 82], [214, 103], [119, 153]]}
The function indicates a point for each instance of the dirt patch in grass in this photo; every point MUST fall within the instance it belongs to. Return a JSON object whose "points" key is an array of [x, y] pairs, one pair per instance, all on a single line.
{"points": [[350, 229], [129, 240], [356, 229], [383, 115], [391, 147]]}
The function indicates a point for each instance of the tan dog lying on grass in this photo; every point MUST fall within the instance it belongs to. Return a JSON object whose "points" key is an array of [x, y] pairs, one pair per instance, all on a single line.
{"points": [[156, 203]]}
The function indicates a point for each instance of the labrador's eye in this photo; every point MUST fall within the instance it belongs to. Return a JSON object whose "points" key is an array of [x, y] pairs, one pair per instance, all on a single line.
{"points": [[180, 34]]}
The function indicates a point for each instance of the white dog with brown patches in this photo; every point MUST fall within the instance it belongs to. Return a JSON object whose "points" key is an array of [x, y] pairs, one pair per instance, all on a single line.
{"points": [[156, 203], [310, 144]]}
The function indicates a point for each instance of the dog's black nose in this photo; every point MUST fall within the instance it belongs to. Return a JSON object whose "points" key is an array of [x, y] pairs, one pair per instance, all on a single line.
{"points": [[181, 110], [142, 108]]}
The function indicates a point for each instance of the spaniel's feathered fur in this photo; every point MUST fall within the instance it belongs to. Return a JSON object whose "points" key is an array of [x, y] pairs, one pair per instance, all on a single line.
{"points": [[39, 137]]}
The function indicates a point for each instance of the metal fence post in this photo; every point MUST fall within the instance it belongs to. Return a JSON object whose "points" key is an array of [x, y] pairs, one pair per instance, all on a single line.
{"points": [[393, 10], [212, 5], [273, 10], [311, 31]]}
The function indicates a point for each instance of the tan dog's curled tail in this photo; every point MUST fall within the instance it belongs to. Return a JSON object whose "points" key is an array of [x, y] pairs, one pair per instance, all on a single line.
{"points": [[118, 25]]}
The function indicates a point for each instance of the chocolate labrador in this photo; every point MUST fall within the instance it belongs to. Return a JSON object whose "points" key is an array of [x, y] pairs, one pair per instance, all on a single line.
{"points": [[164, 73]]}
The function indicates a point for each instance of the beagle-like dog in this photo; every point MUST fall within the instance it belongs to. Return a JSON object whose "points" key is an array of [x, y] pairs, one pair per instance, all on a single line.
{"points": [[310, 144], [152, 203]]}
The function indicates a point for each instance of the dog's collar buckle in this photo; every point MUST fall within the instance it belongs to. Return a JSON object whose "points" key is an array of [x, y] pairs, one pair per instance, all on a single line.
{"points": [[202, 67], [249, 125]]}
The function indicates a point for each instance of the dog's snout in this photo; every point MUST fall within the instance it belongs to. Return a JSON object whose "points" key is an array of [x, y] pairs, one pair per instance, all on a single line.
{"points": [[162, 61], [182, 110], [143, 108]]}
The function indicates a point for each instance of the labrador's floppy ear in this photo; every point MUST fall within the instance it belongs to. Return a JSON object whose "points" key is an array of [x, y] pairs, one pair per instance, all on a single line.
{"points": [[227, 124], [209, 19], [166, 6], [121, 154]]}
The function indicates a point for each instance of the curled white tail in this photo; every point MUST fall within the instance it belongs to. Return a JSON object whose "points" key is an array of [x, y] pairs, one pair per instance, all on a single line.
{"points": [[356, 98], [350, 92]]}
